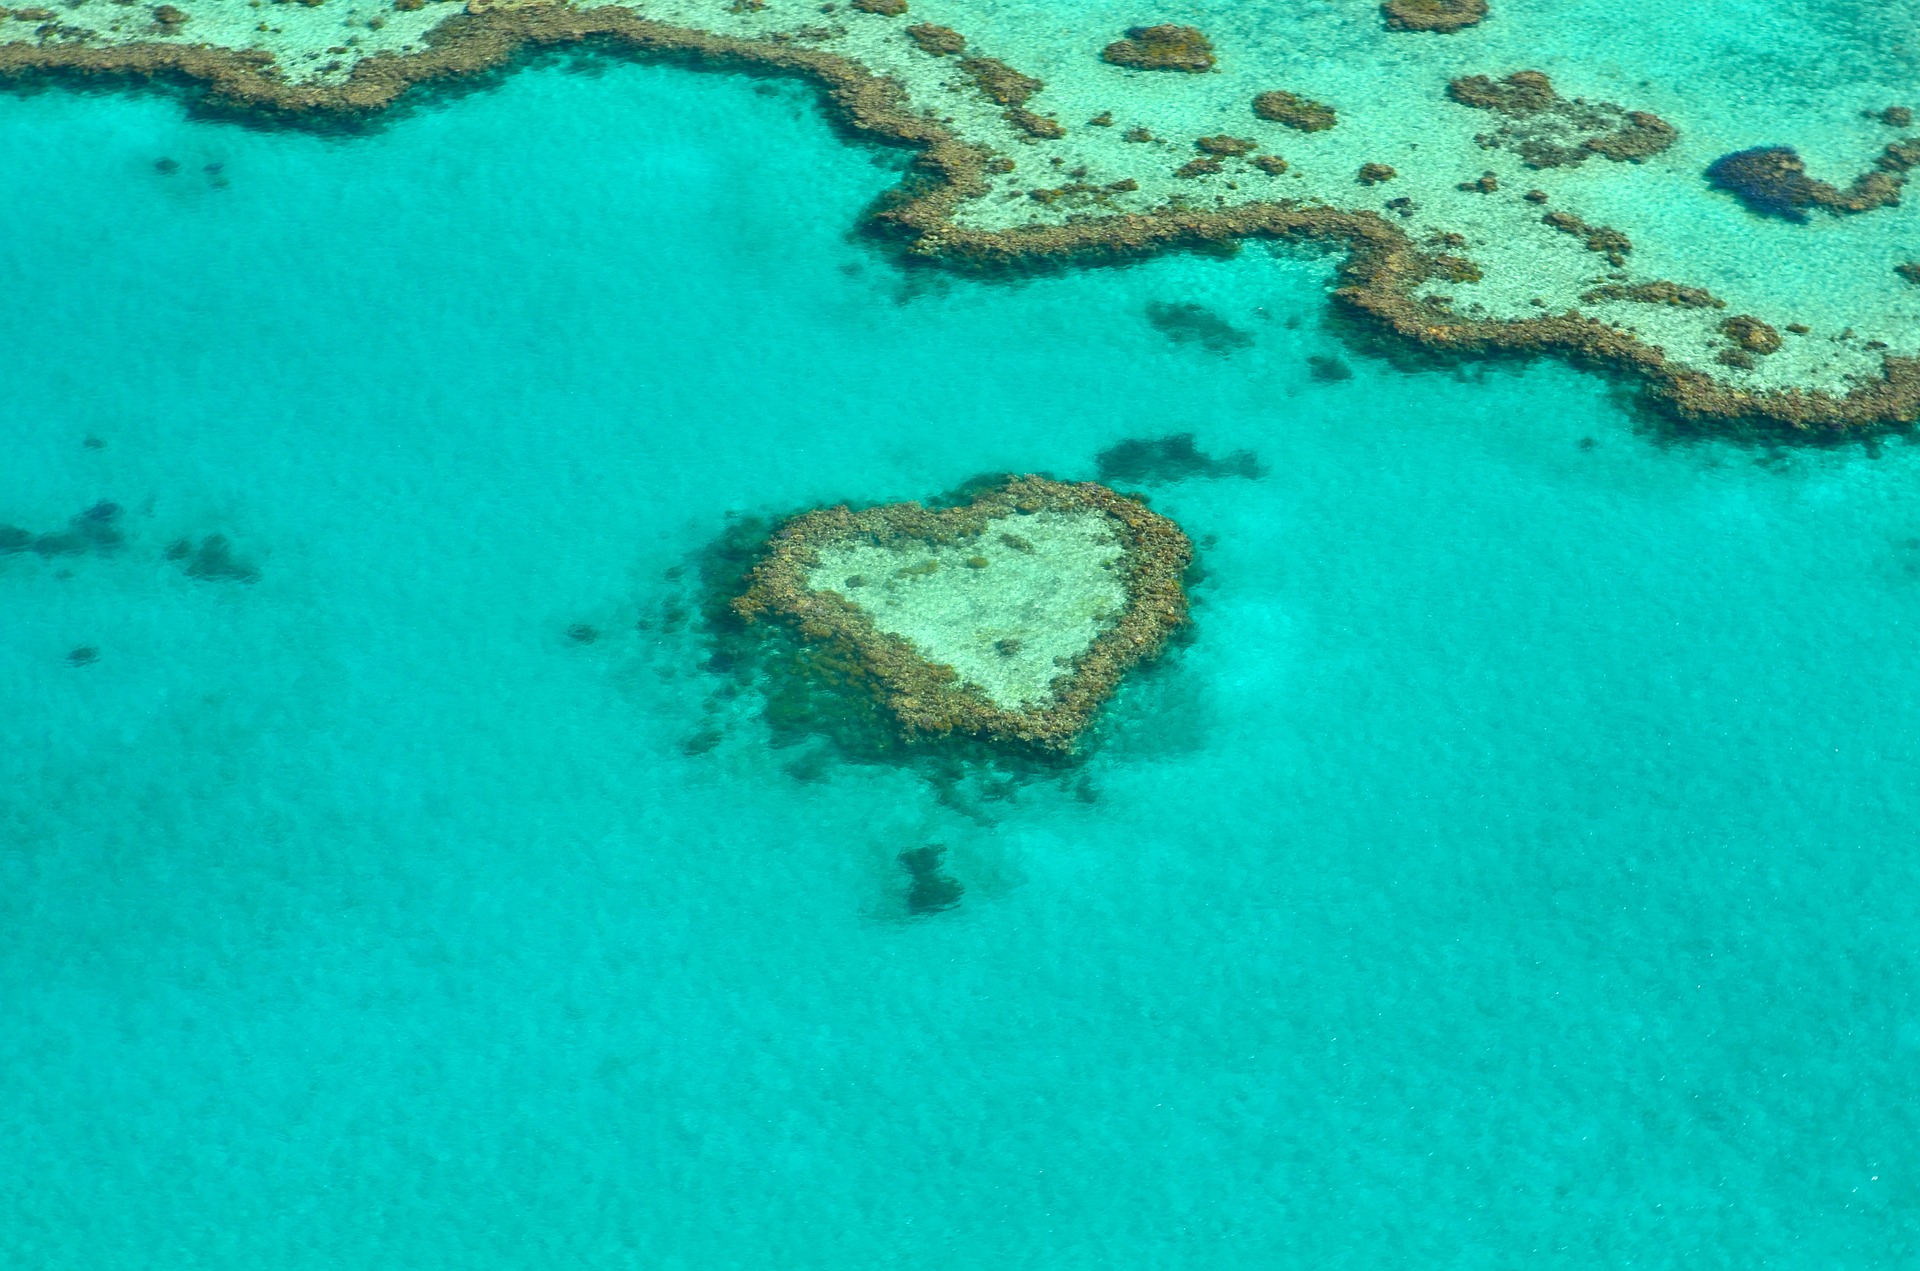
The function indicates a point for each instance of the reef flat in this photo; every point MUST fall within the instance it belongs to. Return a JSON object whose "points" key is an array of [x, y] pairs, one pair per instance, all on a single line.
{"points": [[1496, 180], [1009, 618]]}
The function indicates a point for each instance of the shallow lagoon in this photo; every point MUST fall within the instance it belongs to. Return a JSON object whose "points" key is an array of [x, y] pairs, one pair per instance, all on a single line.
{"points": [[1512, 872]]}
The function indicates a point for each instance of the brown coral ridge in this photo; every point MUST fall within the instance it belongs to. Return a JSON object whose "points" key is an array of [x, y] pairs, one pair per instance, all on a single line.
{"points": [[1550, 131], [1773, 181], [1377, 279], [1162, 48], [926, 698], [1443, 16]]}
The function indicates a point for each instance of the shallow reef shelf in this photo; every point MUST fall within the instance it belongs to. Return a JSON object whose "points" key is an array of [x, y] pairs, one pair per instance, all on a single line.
{"points": [[1482, 206], [1010, 618]]}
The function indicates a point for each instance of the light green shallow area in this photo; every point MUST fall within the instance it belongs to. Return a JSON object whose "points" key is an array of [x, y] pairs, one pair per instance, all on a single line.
{"points": [[1742, 75], [1008, 611]]}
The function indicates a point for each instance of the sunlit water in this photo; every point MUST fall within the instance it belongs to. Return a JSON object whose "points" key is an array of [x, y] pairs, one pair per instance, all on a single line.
{"points": [[1515, 871]]}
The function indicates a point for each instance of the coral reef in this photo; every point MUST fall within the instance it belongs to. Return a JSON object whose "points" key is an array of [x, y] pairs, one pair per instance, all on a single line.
{"points": [[930, 699], [1162, 48], [1549, 131], [1375, 173], [1305, 114], [1433, 15], [1773, 181], [1159, 460], [884, 8]]}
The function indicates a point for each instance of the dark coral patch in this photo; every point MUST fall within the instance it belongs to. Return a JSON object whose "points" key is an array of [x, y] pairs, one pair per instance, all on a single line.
{"points": [[1196, 324], [1294, 111], [1433, 15], [932, 888], [1152, 460], [1162, 48], [212, 561], [1773, 181]]}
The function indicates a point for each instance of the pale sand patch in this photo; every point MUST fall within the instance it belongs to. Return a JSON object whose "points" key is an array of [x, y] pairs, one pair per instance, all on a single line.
{"points": [[1047, 589]]}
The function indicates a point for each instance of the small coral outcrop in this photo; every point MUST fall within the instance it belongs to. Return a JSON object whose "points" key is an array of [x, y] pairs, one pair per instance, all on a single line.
{"points": [[1162, 48], [1751, 334], [937, 41], [1433, 15], [1302, 113]]}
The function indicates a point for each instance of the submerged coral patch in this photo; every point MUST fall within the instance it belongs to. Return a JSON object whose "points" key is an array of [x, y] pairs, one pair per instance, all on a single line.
{"points": [[1010, 618], [1152, 460], [1189, 323]]}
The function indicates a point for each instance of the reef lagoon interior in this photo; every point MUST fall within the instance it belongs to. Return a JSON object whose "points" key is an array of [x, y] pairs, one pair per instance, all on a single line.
{"points": [[1512, 868]]}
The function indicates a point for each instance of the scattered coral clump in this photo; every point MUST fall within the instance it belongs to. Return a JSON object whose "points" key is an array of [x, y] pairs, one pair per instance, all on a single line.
{"points": [[1751, 334], [1773, 181], [1162, 48], [1656, 293], [1001, 82], [1375, 173], [1604, 239], [1294, 111], [884, 8], [1226, 146], [937, 41], [1433, 15], [1549, 131]]}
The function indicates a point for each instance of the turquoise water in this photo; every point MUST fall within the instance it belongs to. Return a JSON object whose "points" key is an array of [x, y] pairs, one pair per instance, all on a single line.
{"points": [[1515, 871]]}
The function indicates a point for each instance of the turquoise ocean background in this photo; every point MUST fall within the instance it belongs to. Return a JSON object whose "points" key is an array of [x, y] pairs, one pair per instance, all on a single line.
{"points": [[1516, 871]]}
